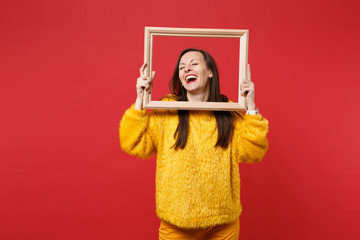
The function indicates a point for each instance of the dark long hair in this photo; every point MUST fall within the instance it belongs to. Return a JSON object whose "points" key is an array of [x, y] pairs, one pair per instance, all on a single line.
{"points": [[224, 119]]}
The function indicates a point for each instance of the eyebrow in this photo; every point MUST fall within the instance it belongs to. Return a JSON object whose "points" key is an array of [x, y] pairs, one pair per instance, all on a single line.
{"points": [[190, 61]]}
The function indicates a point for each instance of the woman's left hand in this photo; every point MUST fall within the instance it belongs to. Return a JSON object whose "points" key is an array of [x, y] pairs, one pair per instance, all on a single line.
{"points": [[247, 89]]}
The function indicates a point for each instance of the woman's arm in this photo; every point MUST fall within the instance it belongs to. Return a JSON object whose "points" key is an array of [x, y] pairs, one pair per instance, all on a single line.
{"points": [[249, 141], [135, 128], [135, 133]]}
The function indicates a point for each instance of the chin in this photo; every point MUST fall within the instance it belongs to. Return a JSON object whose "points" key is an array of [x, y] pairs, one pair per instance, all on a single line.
{"points": [[192, 89]]}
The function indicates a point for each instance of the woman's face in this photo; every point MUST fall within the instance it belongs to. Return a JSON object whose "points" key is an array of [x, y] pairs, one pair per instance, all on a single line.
{"points": [[193, 73]]}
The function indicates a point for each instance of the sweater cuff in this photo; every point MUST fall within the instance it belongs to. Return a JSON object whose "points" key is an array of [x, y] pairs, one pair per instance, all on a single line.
{"points": [[136, 113], [249, 117]]}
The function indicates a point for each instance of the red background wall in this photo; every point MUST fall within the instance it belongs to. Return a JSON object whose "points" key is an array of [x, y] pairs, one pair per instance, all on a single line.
{"points": [[68, 72]]}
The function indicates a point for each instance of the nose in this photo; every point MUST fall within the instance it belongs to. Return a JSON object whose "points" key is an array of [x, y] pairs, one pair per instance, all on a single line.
{"points": [[187, 68]]}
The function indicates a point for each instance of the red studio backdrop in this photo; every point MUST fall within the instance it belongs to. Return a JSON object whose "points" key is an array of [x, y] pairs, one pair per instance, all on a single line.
{"points": [[68, 72]]}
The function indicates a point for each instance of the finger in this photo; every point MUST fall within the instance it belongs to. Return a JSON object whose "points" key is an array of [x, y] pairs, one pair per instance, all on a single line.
{"points": [[142, 83], [248, 89], [142, 69], [244, 93], [146, 86], [141, 79], [140, 86], [248, 72], [244, 89], [152, 76], [247, 84], [247, 81], [243, 83]]}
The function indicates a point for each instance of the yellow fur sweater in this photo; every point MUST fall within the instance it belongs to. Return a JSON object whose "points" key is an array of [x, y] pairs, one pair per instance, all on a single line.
{"points": [[198, 186]]}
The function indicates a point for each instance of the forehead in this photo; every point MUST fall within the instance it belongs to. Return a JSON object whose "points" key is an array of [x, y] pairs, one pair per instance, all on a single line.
{"points": [[189, 56]]}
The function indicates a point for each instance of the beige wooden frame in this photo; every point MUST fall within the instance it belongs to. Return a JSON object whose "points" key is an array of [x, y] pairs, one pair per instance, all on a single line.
{"points": [[196, 32]]}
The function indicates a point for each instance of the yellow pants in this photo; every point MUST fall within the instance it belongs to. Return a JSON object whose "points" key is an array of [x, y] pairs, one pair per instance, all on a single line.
{"points": [[222, 232]]}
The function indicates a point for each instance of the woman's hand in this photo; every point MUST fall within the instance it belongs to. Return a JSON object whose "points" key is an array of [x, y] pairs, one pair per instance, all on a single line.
{"points": [[143, 84], [247, 89]]}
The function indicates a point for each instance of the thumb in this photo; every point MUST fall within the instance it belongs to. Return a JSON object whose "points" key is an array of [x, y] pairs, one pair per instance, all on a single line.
{"points": [[152, 75]]}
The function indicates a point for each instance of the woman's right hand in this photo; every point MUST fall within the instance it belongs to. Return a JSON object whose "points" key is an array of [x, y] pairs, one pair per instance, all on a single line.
{"points": [[144, 83]]}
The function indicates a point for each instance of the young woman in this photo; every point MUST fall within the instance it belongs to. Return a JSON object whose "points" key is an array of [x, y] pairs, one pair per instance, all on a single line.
{"points": [[197, 173]]}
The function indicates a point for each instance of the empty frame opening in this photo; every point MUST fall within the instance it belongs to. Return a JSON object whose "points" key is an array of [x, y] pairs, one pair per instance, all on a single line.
{"points": [[225, 51]]}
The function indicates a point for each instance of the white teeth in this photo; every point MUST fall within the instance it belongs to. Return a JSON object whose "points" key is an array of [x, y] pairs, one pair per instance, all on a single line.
{"points": [[191, 77]]}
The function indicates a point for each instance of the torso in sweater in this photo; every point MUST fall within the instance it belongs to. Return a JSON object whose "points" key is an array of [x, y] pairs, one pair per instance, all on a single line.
{"points": [[198, 186]]}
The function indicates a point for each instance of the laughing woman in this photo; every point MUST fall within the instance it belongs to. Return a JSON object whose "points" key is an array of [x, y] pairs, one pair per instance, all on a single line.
{"points": [[198, 152]]}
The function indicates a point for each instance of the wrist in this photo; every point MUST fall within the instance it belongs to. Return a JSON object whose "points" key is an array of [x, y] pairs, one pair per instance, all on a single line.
{"points": [[139, 103], [252, 112], [251, 107]]}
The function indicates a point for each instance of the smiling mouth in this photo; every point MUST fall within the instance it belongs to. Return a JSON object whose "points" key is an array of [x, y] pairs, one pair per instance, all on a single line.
{"points": [[191, 78]]}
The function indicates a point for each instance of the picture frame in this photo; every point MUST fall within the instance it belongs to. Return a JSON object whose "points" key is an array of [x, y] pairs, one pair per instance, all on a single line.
{"points": [[242, 34]]}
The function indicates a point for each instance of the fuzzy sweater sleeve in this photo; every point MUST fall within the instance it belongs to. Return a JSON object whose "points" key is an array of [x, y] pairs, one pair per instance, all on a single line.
{"points": [[135, 133], [250, 138]]}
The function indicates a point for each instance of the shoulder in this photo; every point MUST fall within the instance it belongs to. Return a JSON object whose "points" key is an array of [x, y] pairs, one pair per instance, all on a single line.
{"points": [[169, 97]]}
